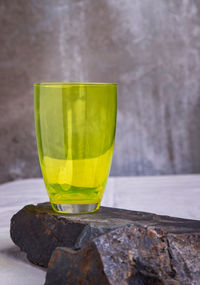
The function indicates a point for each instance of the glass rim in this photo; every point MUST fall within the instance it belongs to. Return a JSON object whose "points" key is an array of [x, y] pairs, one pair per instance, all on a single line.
{"points": [[49, 84]]}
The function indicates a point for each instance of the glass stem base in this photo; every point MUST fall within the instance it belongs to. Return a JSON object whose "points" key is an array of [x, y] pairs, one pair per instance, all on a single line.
{"points": [[75, 208]]}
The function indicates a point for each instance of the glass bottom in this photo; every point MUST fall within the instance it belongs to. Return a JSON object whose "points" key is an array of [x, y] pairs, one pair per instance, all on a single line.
{"points": [[75, 208]]}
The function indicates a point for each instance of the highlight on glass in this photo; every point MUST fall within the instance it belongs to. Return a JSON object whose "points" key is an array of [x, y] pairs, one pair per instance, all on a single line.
{"points": [[75, 131]]}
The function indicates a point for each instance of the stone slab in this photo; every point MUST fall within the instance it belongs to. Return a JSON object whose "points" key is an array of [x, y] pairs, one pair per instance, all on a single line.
{"points": [[112, 245]]}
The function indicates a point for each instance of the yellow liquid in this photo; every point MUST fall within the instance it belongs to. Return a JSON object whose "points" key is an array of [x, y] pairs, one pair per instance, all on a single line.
{"points": [[78, 181]]}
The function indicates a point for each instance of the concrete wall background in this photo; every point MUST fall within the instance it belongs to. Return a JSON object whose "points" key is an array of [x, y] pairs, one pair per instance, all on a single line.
{"points": [[150, 47]]}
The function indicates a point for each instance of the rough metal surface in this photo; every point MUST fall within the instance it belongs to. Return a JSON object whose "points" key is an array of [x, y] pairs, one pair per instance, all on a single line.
{"points": [[151, 48], [117, 246]]}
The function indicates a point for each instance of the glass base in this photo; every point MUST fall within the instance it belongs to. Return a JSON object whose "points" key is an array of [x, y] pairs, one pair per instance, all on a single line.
{"points": [[75, 208]]}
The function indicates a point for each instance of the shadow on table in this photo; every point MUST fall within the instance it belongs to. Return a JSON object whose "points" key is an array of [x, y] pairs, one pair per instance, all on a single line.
{"points": [[15, 253]]}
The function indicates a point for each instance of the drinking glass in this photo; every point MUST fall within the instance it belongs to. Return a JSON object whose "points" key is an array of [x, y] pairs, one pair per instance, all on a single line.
{"points": [[75, 131]]}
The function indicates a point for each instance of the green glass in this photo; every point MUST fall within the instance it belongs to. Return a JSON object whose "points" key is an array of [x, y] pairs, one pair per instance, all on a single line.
{"points": [[75, 130]]}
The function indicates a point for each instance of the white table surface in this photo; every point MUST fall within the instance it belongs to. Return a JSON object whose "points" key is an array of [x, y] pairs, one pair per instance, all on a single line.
{"points": [[168, 195]]}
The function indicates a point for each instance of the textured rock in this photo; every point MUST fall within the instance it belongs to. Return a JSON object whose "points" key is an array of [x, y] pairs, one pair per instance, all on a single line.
{"points": [[112, 245], [72, 267], [130, 255], [39, 230]]}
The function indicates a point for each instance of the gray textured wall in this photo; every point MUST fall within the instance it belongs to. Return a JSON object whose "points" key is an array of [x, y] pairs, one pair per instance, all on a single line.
{"points": [[150, 47]]}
